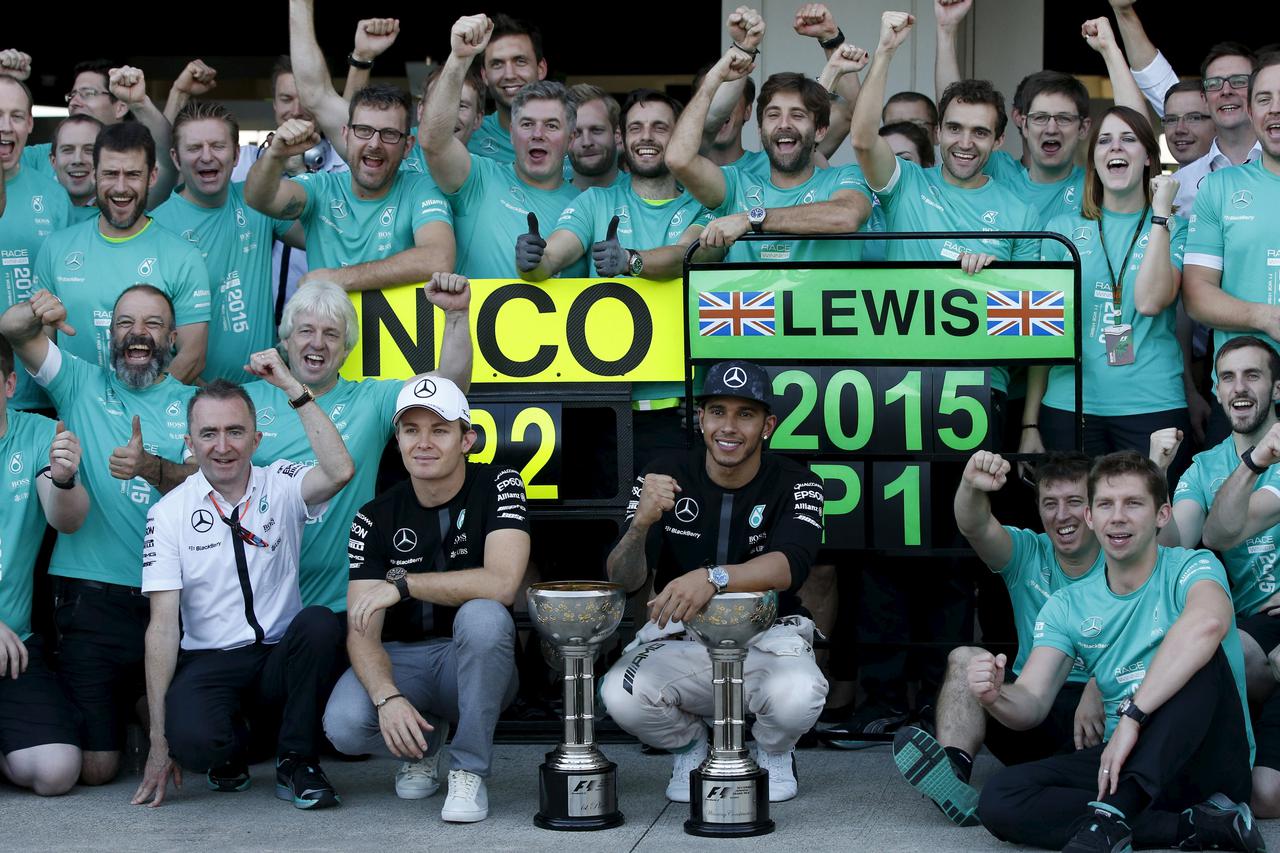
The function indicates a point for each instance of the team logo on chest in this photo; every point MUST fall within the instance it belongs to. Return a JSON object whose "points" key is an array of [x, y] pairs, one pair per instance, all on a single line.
{"points": [[173, 409], [240, 217], [686, 509], [388, 215], [15, 463], [1091, 626], [755, 195], [1081, 235], [338, 208], [1070, 195], [74, 261], [757, 516], [202, 521], [405, 539], [990, 217], [1241, 198], [488, 146], [462, 517], [266, 416], [147, 266]]}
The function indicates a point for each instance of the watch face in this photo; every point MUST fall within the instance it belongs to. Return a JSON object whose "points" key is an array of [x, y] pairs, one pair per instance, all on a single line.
{"points": [[720, 575], [756, 215], [395, 573]]}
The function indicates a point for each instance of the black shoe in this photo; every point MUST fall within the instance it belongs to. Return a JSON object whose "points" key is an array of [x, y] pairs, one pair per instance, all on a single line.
{"points": [[872, 724], [1101, 832], [303, 783], [228, 778], [925, 765], [1220, 824]]}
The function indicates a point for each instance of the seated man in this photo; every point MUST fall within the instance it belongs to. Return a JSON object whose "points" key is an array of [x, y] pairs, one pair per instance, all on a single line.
{"points": [[435, 564], [1156, 632], [661, 691], [1033, 566], [39, 741], [249, 651]]}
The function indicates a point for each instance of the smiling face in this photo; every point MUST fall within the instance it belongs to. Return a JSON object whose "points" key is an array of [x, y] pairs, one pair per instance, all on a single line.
{"points": [[648, 127], [142, 338], [123, 183], [1247, 391], [431, 447], [967, 139], [72, 158], [1264, 110], [316, 348], [374, 163], [1125, 518], [510, 64], [16, 123], [734, 429], [1119, 157], [1062, 505], [205, 154], [1053, 146], [1227, 105], [540, 136], [594, 148], [222, 440], [1188, 139], [788, 132]]}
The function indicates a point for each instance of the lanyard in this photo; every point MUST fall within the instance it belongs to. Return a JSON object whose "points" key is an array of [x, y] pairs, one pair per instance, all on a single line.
{"points": [[1116, 285], [237, 529]]}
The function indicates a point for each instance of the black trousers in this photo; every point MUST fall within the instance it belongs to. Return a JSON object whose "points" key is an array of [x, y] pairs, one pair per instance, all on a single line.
{"points": [[1104, 434], [217, 697], [1191, 748]]}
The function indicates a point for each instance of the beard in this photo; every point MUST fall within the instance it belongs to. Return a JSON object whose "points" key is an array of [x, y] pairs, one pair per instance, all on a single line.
{"points": [[657, 170], [797, 161], [139, 376], [1256, 420], [594, 170]]}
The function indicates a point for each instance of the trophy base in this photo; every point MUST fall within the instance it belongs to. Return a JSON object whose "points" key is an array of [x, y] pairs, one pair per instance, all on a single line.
{"points": [[577, 800], [729, 806]]}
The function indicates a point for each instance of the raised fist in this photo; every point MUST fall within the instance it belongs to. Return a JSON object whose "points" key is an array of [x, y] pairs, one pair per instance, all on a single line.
{"points": [[470, 35], [894, 27], [196, 79], [657, 495], [1164, 446], [1164, 188], [448, 291], [374, 36], [815, 21], [128, 85], [294, 137], [986, 471]]}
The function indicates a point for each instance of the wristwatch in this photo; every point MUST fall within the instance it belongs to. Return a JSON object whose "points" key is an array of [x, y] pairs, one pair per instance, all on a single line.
{"points": [[1247, 459], [396, 577], [756, 217], [635, 263], [718, 577], [302, 399], [1127, 708], [1162, 221]]}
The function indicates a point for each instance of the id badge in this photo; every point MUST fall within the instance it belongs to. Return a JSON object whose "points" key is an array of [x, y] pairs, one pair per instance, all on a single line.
{"points": [[1119, 340]]}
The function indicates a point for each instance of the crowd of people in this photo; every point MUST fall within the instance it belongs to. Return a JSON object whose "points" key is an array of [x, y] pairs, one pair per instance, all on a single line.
{"points": [[226, 571]]}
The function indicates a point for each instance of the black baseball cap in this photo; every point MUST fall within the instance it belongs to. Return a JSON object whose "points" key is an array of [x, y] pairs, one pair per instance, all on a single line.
{"points": [[740, 379]]}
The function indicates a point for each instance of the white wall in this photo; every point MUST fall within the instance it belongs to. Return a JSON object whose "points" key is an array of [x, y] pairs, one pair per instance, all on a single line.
{"points": [[1002, 41]]}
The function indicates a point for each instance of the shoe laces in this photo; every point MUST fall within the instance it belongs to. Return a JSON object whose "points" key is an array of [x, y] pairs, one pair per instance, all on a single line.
{"points": [[423, 768], [463, 784]]}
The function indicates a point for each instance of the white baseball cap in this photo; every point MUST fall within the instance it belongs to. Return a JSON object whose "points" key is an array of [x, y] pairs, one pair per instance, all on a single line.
{"points": [[436, 393]]}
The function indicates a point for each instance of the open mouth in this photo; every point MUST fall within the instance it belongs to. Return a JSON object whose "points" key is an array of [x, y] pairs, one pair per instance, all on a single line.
{"points": [[964, 158], [1117, 165], [1051, 147], [1272, 129], [538, 156], [1243, 404], [138, 354], [1066, 531], [7, 147], [208, 175], [728, 445], [121, 203], [786, 143], [1120, 539], [78, 174], [372, 161], [313, 361], [1230, 109]]}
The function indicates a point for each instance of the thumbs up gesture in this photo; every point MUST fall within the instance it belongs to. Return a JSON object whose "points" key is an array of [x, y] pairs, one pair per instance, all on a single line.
{"points": [[64, 455], [610, 257], [530, 247], [126, 462]]}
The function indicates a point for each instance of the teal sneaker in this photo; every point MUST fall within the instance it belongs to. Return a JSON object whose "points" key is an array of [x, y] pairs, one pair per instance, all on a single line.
{"points": [[1101, 832], [304, 784], [927, 768], [1220, 824], [229, 778]]}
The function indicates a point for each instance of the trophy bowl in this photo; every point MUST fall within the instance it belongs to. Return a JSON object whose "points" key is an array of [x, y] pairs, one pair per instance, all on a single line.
{"points": [[732, 619], [576, 613]]}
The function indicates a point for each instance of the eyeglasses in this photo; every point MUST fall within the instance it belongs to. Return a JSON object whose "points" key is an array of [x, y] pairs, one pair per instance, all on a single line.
{"points": [[1060, 119], [1170, 120], [1237, 81], [389, 135], [85, 94]]}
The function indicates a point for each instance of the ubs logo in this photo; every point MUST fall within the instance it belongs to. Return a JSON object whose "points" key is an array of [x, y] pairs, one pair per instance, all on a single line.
{"points": [[686, 509]]}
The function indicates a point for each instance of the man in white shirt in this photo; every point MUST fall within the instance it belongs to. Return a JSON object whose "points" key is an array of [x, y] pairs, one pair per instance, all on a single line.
{"points": [[221, 551]]}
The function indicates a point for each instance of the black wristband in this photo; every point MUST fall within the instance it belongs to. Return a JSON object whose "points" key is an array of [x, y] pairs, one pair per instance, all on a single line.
{"points": [[833, 42], [751, 52], [1247, 459], [362, 64], [386, 699], [67, 486]]}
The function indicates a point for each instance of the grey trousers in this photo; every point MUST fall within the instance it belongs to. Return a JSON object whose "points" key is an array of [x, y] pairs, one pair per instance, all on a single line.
{"points": [[466, 680]]}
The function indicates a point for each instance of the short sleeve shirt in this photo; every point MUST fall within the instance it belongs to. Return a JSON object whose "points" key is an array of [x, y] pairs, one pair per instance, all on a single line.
{"points": [[491, 209], [188, 547], [492, 142], [1153, 383], [642, 223], [1117, 636], [1059, 198], [1251, 565], [99, 409], [394, 530], [361, 412], [236, 242], [344, 230], [24, 450], [88, 272]]}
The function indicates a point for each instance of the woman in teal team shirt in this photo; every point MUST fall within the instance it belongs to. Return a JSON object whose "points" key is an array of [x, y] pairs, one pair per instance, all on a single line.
{"points": [[1130, 249]]}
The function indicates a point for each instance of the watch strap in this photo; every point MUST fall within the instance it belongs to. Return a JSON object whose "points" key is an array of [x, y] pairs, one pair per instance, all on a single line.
{"points": [[1162, 221], [1247, 459], [302, 399]]}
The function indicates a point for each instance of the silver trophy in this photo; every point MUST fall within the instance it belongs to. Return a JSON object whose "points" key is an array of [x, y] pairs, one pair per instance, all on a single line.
{"points": [[729, 793], [577, 785]]}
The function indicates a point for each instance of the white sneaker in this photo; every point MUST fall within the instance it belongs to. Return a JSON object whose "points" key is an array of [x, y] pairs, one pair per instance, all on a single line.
{"points": [[782, 773], [417, 780], [685, 763], [468, 800]]}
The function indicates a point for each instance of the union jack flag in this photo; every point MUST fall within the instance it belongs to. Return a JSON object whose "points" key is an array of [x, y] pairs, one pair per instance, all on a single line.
{"points": [[736, 312], [1026, 312]]}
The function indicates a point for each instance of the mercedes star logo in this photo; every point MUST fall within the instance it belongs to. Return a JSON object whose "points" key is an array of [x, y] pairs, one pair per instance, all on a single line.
{"points": [[202, 521], [424, 388], [1091, 626], [735, 377], [1243, 198], [686, 509], [405, 539]]}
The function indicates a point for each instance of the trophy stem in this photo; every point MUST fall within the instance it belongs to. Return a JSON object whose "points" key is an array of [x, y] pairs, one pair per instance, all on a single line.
{"points": [[579, 698], [728, 719]]}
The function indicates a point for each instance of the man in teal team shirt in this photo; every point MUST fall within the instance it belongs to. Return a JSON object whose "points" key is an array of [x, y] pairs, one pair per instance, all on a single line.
{"points": [[88, 265], [593, 152], [1155, 630], [39, 737], [511, 60], [1054, 121], [236, 241], [492, 201], [100, 612], [369, 228], [1231, 281], [35, 207], [1033, 567], [796, 197], [72, 159]]}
